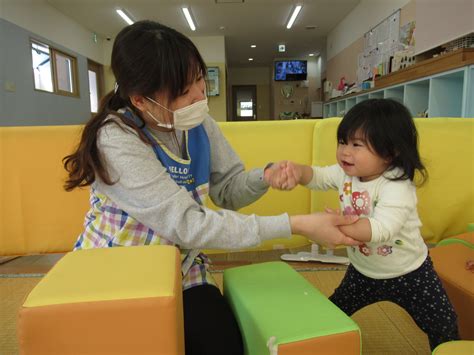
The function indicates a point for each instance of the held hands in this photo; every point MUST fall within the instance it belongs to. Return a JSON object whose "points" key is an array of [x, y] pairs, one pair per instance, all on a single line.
{"points": [[323, 228], [284, 175]]}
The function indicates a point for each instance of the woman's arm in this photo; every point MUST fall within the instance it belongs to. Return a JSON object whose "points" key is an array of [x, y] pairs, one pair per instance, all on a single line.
{"points": [[230, 186], [145, 190], [324, 228]]}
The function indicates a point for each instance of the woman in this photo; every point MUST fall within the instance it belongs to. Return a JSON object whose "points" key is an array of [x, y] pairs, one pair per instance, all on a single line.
{"points": [[151, 156]]}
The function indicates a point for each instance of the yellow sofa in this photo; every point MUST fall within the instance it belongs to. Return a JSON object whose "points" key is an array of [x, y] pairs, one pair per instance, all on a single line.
{"points": [[38, 216]]}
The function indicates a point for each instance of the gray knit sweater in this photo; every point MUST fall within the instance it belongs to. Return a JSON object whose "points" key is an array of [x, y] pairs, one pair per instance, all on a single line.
{"points": [[145, 190]]}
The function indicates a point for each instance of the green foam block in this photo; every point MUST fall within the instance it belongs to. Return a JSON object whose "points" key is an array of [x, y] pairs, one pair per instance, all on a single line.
{"points": [[273, 300]]}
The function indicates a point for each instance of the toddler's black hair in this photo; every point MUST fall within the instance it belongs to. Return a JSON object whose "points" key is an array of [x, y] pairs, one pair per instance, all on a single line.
{"points": [[388, 127]]}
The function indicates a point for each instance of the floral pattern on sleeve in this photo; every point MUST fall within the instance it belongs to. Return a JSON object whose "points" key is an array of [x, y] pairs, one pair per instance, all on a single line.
{"points": [[384, 250], [365, 249], [361, 202]]}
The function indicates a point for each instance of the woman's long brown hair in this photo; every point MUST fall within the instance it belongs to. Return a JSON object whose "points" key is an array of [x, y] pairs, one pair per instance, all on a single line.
{"points": [[147, 58]]}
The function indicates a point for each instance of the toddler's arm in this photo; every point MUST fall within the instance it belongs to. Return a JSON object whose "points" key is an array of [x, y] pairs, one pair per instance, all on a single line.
{"points": [[297, 174], [360, 230]]}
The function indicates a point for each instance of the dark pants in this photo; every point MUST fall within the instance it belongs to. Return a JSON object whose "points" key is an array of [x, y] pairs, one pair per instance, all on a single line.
{"points": [[419, 292], [209, 323]]}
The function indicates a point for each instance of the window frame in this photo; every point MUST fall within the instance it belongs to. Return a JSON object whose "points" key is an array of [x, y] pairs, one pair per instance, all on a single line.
{"points": [[54, 74]]}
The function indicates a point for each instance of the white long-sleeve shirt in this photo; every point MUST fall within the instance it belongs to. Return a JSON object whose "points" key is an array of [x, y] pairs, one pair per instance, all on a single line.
{"points": [[396, 247]]}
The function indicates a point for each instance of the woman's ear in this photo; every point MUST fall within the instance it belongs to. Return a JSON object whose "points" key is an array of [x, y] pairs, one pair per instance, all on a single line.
{"points": [[139, 102]]}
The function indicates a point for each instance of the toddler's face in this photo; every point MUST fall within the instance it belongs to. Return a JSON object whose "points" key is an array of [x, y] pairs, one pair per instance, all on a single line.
{"points": [[357, 158]]}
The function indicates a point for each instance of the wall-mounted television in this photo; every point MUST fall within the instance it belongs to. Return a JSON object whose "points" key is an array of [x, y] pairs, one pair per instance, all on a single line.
{"points": [[291, 70]]}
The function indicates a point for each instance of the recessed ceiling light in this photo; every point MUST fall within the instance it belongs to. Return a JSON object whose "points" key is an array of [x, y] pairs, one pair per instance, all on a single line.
{"points": [[222, 28], [311, 54], [296, 11], [250, 59], [187, 14], [253, 46], [125, 17]]}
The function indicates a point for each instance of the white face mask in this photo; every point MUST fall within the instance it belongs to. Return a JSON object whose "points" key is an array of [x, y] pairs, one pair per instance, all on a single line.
{"points": [[184, 118]]}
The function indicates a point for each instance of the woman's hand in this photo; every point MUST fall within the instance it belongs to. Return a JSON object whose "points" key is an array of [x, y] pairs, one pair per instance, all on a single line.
{"points": [[284, 175], [322, 228], [294, 173], [275, 175]]}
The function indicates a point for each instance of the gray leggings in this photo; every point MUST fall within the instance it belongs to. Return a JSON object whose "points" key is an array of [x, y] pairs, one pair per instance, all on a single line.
{"points": [[419, 292]]}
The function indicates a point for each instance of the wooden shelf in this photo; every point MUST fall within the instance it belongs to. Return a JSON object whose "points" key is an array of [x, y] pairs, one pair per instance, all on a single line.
{"points": [[440, 94], [456, 59]]}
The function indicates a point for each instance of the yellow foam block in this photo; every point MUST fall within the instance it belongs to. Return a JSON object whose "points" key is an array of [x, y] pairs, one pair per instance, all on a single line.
{"points": [[459, 347], [107, 301], [450, 263]]}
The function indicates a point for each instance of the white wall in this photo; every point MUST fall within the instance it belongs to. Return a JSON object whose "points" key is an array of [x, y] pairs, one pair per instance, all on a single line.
{"points": [[212, 48], [39, 17], [441, 21], [250, 76], [364, 16]]}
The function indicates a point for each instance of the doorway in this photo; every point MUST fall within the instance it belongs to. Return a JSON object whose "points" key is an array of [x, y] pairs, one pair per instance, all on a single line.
{"points": [[95, 73], [244, 102]]}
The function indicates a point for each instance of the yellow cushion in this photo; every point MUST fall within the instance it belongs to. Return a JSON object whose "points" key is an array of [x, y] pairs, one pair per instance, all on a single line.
{"points": [[459, 347], [257, 144], [447, 149], [106, 274], [37, 215], [107, 301], [447, 201]]}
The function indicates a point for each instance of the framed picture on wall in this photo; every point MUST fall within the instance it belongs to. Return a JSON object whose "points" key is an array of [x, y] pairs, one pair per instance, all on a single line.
{"points": [[213, 81]]}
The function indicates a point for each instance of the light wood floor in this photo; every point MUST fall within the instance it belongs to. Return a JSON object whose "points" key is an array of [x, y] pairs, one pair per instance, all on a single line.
{"points": [[385, 327]]}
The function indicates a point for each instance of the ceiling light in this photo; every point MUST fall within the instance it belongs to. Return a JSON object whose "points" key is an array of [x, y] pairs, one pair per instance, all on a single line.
{"points": [[250, 59], [123, 15], [311, 54], [296, 11], [253, 46], [187, 14]]}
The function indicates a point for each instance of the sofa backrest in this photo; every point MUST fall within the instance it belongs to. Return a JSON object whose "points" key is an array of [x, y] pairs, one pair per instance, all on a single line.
{"points": [[36, 214], [446, 200], [257, 144]]}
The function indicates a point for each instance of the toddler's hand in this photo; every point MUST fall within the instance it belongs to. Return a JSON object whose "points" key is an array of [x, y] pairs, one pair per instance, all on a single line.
{"points": [[294, 173], [275, 175]]}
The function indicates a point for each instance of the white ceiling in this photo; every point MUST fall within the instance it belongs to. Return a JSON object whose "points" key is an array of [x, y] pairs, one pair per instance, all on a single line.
{"points": [[260, 22]]}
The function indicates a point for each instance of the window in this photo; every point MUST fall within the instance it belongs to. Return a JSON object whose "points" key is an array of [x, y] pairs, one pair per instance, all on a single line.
{"points": [[53, 70], [246, 109], [96, 84], [94, 95]]}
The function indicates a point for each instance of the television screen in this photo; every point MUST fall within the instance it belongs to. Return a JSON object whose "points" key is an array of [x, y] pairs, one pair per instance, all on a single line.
{"points": [[290, 70]]}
